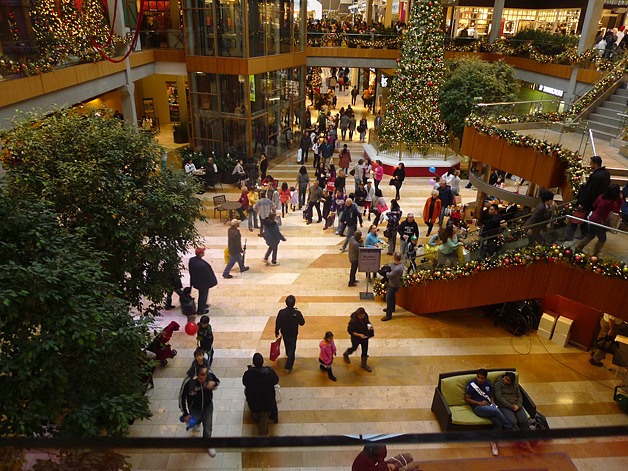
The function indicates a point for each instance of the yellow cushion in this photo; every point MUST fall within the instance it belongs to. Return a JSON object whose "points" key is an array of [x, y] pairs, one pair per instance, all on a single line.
{"points": [[453, 387], [464, 415]]}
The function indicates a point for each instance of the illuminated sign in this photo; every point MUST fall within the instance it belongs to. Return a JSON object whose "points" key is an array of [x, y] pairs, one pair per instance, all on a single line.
{"points": [[551, 91]]}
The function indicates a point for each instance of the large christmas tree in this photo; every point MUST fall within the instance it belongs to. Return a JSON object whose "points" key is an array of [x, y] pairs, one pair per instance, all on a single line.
{"points": [[412, 114]]}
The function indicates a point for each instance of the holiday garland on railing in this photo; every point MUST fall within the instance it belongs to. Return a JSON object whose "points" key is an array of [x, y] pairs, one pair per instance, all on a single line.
{"points": [[515, 258], [574, 170], [599, 88]]}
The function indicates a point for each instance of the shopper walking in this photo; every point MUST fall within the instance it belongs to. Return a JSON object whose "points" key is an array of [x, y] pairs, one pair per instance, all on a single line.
{"points": [[272, 236], [431, 211], [234, 240], [361, 330], [202, 278], [394, 283], [354, 253], [259, 389], [287, 326]]}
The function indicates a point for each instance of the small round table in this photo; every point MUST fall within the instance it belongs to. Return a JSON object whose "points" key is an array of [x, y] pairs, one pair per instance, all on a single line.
{"points": [[232, 207]]}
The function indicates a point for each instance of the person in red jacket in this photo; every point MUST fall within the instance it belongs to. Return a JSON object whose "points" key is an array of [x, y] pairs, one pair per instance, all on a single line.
{"points": [[606, 203]]}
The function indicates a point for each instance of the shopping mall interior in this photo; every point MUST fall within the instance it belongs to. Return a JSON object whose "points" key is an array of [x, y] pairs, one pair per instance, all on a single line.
{"points": [[237, 77]]}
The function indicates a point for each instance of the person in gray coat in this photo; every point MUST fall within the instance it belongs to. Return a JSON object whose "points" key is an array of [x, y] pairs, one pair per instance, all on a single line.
{"points": [[352, 125], [344, 125], [394, 283], [354, 252]]}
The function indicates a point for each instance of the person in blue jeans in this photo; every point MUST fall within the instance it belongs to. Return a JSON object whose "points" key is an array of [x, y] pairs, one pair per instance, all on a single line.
{"points": [[351, 216], [479, 395]]}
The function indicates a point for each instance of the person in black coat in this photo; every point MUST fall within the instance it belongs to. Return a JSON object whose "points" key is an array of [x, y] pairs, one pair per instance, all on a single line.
{"points": [[305, 144], [177, 287], [360, 330], [406, 230], [287, 324], [259, 389], [202, 278], [446, 198], [399, 175], [596, 184], [272, 236]]}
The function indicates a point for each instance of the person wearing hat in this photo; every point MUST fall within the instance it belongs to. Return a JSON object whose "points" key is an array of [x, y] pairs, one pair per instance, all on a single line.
{"points": [[202, 278], [234, 240]]}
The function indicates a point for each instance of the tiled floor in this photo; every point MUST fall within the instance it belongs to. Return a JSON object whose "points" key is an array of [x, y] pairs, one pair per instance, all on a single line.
{"points": [[406, 355]]}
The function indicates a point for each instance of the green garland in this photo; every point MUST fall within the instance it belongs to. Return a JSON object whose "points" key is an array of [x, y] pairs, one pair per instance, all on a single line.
{"points": [[515, 258], [575, 169]]}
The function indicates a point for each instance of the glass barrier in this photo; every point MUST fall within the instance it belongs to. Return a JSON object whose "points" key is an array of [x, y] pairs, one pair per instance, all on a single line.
{"points": [[555, 449], [405, 152], [354, 40]]}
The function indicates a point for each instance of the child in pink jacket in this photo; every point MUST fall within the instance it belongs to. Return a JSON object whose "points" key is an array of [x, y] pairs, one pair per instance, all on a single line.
{"points": [[328, 352]]}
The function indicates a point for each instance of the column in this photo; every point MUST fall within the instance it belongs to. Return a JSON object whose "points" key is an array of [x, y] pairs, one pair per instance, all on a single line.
{"points": [[496, 22], [388, 15], [369, 11], [127, 94], [589, 29]]}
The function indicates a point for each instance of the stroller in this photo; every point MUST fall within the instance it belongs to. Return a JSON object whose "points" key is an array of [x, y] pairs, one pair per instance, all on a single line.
{"points": [[160, 346]]}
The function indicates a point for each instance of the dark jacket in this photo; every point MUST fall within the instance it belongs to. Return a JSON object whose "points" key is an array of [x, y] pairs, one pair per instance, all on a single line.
{"points": [[359, 325], [446, 196], [201, 273], [193, 371], [272, 235], [399, 176], [259, 388], [408, 228], [597, 184], [234, 240], [306, 142], [288, 321], [194, 396], [352, 216]]}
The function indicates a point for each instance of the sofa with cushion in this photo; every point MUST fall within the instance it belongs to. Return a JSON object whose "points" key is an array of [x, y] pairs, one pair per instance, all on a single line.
{"points": [[450, 408]]}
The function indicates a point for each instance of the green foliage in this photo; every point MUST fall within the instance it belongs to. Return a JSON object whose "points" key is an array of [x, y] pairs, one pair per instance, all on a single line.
{"points": [[198, 158], [100, 175], [470, 80], [545, 42], [225, 163], [83, 460], [412, 115], [70, 353]]}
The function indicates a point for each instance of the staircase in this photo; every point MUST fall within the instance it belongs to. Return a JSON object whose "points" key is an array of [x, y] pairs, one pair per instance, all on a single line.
{"points": [[604, 122]]}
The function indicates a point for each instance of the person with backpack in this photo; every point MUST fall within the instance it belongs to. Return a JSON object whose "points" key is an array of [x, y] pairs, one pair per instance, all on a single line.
{"points": [[259, 389], [196, 400]]}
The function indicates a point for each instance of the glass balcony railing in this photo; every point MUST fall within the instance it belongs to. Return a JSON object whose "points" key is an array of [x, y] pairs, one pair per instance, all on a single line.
{"points": [[557, 448], [354, 40]]}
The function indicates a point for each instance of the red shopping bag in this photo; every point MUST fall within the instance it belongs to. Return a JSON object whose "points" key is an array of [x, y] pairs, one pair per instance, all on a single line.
{"points": [[275, 349]]}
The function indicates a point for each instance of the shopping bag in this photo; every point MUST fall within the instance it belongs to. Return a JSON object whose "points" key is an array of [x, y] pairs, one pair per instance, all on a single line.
{"points": [[458, 199], [275, 349], [300, 156], [579, 213]]}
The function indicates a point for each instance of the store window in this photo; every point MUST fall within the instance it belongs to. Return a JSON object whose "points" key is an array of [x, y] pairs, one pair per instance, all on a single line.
{"points": [[257, 34]]}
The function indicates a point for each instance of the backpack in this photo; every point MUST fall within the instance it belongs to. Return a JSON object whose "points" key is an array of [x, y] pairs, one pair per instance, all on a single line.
{"points": [[539, 422]]}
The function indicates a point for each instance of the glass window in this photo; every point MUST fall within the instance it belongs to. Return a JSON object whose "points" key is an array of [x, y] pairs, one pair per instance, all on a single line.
{"points": [[257, 35], [272, 20], [257, 89], [230, 28], [285, 26], [232, 95], [260, 137], [299, 31], [234, 137], [199, 31]]}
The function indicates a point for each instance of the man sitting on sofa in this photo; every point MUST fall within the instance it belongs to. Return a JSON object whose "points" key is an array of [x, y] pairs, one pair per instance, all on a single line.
{"points": [[479, 395]]}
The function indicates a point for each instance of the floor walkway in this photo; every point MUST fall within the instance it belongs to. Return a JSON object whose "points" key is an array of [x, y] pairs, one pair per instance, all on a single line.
{"points": [[406, 355]]}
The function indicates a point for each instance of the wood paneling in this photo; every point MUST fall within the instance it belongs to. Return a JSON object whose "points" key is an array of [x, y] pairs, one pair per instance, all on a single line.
{"points": [[353, 53], [488, 149], [59, 79], [12, 91], [467, 140], [519, 160], [239, 66], [516, 283], [588, 75]]}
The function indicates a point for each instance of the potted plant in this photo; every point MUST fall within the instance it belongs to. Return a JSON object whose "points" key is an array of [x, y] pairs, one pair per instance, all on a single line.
{"points": [[180, 132]]}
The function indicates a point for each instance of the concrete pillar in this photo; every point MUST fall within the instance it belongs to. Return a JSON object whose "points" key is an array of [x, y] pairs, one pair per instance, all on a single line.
{"points": [[388, 15], [118, 27], [589, 27], [127, 94], [498, 11], [369, 11]]}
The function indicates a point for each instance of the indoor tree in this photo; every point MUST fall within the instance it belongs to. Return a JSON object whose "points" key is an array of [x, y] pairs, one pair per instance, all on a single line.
{"points": [[71, 355], [472, 81], [100, 175], [412, 113]]}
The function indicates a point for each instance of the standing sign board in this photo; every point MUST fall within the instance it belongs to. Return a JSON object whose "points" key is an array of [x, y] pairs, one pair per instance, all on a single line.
{"points": [[369, 260]]}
